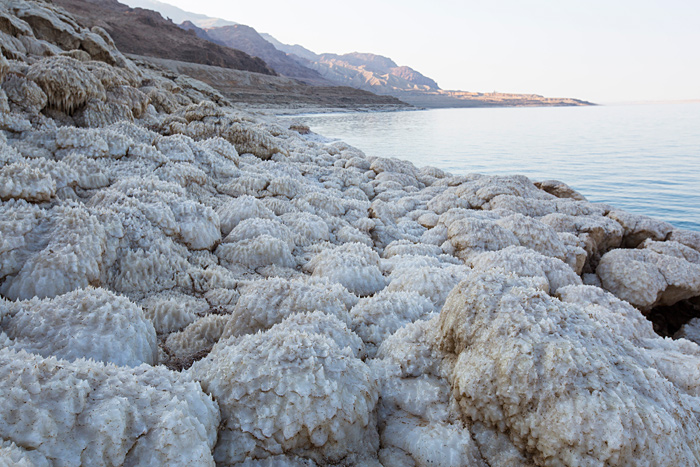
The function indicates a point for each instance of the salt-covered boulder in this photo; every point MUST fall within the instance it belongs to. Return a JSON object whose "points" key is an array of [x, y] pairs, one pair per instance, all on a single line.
{"points": [[417, 420], [238, 209], [69, 249], [432, 282], [265, 303], [378, 317], [88, 323], [21, 181], [527, 263], [256, 252], [172, 311], [255, 227], [638, 228], [647, 279], [353, 265], [68, 84], [197, 338], [690, 331], [558, 389], [96, 414], [559, 189], [291, 392]]}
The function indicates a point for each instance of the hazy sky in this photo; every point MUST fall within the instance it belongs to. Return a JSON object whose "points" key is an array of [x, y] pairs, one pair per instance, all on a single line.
{"points": [[598, 50]]}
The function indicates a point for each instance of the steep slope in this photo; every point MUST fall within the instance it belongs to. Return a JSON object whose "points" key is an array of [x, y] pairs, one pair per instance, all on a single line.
{"points": [[199, 32], [295, 51], [146, 32], [248, 40], [274, 92]]}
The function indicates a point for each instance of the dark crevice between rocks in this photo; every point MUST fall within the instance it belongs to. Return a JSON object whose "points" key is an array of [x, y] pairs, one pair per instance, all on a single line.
{"points": [[667, 320]]}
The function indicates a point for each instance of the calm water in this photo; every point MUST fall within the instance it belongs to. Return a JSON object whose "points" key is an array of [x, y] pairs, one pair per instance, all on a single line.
{"points": [[642, 158]]}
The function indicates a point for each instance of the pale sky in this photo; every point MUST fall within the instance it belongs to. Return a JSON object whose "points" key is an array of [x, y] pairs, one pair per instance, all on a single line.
{"points": [[597, 50]]}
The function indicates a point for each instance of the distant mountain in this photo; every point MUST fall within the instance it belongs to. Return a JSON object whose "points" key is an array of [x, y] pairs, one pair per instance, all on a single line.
{"points": [[248, 40], [371, 72], [296, 49], [178, 15], [146, 32], [365, 71], [199, 32]]}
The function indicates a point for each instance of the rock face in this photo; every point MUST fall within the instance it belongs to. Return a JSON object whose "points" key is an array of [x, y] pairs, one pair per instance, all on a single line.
{"points": [[186, 283], [145, 32], [248, 40]]}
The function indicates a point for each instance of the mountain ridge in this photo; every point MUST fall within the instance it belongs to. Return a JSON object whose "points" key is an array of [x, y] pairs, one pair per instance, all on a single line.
{"points": [[360, 70]]}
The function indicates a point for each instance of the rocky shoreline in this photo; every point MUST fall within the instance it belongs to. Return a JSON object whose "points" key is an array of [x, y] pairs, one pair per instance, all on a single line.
{"points": [[184, 282]]}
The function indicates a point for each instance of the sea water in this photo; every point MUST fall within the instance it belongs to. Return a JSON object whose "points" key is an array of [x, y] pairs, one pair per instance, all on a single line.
{"points": [[643, 158]]}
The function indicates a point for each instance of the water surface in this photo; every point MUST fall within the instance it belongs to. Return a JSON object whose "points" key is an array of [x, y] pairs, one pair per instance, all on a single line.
{"points": [[641, 158]]}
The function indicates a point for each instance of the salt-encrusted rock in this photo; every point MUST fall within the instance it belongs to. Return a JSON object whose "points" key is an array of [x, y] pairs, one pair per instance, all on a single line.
{"points": [[559, 189], [690, 331], [69, 249], [198, 224], [353, 265], [256, 252], [286, 391], [21, 181], [599, 234], [239, 209], [638, 228], [200, 336], [646, 278], [686, 237], [414, 391], [527, 263], [534, 235], [376, 318], [12, 455], [24, 94], [265, 303], [672, 248], [434, 283], [87, 413], [558, 389], [255, 226], [88, 323], [172, 311], [473, 235], [405, 247], [318, 322], [68, 84]]}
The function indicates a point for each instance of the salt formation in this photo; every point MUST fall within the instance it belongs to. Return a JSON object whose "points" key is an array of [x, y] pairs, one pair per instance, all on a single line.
{"points": [[91, 323], [169, 261], [563, 382], [290, 391], [86, 413]]}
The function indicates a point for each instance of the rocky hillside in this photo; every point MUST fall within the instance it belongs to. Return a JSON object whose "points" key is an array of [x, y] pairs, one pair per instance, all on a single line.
{"points": [[276, 93], [248, 40], [187, 283], [146, 32]]}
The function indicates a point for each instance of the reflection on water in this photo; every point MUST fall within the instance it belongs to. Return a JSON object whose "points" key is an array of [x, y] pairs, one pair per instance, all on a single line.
{"points": [[642, 158]]}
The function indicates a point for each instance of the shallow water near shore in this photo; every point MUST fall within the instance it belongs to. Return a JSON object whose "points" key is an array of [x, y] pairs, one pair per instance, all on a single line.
{"points": [[642, 158]]}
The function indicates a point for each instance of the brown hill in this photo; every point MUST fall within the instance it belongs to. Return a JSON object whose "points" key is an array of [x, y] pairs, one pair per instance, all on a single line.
{"points": [[248, 40], [146, 32], [275, 92]]}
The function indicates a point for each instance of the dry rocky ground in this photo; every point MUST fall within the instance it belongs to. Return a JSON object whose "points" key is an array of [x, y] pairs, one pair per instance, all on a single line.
{"points": [[186, 283]]}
